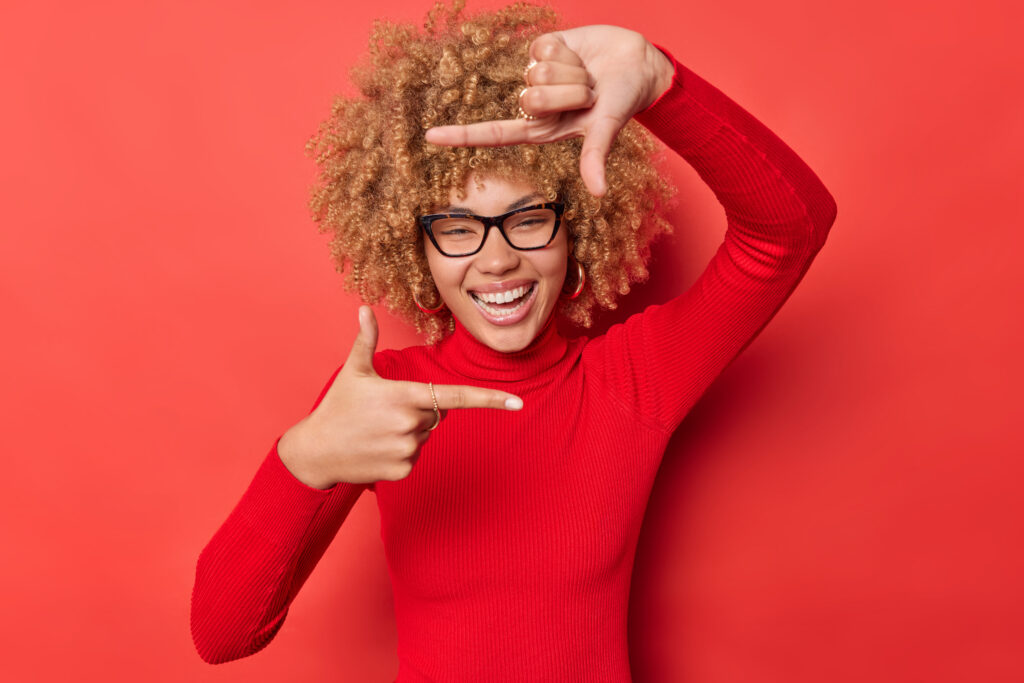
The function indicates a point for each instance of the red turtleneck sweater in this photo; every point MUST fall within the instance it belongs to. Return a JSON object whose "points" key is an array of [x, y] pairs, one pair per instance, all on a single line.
{"points": [[510, 545]]}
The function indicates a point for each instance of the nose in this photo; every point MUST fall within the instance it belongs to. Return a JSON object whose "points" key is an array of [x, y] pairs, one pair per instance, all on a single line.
{"points": [[497, 256]]}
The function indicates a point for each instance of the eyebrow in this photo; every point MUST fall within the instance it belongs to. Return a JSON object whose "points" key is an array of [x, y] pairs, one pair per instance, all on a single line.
{"points": [[525, 200]]}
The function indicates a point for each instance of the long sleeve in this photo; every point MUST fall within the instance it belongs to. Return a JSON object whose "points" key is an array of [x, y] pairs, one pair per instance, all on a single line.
{"points": [[778, 215], [255, 564]]}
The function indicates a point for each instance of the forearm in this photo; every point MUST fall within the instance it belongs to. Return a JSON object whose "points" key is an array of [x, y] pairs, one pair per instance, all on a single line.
{"points": [[253, 567], [764, 186], [778, 214]]}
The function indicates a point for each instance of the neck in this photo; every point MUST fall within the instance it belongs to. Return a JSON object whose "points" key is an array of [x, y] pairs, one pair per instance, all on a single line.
{"points": [[470, 357]]}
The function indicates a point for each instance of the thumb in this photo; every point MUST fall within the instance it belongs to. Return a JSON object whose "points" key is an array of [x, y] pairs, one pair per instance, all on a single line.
{"points": [[360, 358], [596, 145]]}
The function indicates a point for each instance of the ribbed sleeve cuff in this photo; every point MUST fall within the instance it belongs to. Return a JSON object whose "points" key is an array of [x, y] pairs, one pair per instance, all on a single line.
{"points": [[677, 117]]}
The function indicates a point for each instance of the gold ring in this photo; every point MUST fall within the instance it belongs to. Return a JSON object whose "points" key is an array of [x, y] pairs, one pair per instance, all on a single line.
{"points": [[437, 412], [523, 114], [526, 72]]}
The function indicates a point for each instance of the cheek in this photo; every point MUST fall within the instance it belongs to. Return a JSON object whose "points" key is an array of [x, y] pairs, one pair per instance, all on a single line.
{"points": [[553, 266], [448, 273]]}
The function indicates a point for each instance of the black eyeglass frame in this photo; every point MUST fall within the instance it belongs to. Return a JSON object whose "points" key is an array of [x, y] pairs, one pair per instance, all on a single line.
{"points": [[427, 223]]}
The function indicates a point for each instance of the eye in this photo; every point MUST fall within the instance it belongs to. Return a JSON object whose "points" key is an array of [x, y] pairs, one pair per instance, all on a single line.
{"points": [[530, 220], [455, 230]]}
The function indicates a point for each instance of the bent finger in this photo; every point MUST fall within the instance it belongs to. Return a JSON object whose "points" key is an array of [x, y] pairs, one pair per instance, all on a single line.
{"points": [[428, 420], [551, 47], [424, 434], [556, 73], [542, 100]]}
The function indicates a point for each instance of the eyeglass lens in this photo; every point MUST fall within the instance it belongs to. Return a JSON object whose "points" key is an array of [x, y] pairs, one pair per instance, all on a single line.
{"points": [[525, 230]]}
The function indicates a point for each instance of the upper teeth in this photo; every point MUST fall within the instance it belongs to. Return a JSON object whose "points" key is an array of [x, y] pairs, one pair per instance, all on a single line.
{"points": [[501, 297]]}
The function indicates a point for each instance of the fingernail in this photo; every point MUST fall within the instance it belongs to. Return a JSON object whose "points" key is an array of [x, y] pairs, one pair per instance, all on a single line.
{"points": [[514, 403]]}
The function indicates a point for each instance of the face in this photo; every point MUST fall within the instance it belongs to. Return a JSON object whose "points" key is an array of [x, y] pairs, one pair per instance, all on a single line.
{"points": [[535, 277]]}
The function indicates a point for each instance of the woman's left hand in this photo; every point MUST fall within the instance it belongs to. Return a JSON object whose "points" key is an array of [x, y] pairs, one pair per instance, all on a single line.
{"points": [[586, 81]]}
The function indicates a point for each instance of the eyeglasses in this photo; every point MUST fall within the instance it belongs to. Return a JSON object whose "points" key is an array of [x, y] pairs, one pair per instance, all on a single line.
{"points": [[464, 234]]}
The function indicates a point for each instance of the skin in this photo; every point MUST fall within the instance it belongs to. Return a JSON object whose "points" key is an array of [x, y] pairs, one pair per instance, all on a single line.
{"points": [[588, 82], [498, 267], [368, 428]]}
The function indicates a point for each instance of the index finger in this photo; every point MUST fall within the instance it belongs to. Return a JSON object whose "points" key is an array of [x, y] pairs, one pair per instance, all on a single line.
{"points": [[483, 134], [450, 396]]}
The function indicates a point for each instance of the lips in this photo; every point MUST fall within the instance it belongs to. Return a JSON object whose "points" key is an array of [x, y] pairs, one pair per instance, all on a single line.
{"points": [[508, 296], [504, 303]]}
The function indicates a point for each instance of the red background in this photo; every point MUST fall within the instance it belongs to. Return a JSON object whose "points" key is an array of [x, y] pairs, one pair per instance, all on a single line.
{"points": [[841, 506]]}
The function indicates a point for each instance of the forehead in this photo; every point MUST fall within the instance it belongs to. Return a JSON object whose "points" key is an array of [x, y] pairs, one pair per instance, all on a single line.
{"points": [[491, 194]]}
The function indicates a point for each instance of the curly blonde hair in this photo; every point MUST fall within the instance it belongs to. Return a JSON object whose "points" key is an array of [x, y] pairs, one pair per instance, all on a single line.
{"points": [[377, 174]]}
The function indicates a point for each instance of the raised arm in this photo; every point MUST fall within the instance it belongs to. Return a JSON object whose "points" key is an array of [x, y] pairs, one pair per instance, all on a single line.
{"points": [[778, 215], [589, 82]]}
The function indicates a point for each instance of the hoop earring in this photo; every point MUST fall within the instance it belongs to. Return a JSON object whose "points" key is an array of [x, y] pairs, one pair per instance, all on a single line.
{"points": [[581, 279], [428, 311]]}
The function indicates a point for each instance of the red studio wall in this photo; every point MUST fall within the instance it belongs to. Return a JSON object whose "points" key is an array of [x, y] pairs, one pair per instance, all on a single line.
{"points": [[842, 505]]}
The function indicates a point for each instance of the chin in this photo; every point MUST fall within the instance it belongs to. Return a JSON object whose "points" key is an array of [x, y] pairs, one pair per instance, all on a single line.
{"points": [[505, 338], [508, 337], [508, 319], [509, 341]]}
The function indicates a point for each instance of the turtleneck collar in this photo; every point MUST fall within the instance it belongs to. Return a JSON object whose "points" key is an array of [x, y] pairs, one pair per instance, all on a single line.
{"points": [[465, 354]]}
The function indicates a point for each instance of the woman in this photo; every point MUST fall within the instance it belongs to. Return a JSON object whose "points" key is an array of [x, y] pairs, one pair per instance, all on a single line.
{"points": [[511, 466]]}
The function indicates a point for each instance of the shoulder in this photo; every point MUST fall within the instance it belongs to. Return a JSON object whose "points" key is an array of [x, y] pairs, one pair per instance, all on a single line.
{"points": [[616, 338]]}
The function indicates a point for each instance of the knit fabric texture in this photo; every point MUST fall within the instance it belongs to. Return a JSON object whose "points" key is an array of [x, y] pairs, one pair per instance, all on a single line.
{"points": [[510, 545]]}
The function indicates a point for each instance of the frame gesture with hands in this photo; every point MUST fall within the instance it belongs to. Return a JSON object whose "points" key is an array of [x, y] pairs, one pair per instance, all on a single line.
{"points": [[586, 81], [368, 428]]}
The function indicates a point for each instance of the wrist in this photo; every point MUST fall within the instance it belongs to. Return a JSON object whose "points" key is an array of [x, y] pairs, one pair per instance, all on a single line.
{"points": [[299, 460], [662, 72]]}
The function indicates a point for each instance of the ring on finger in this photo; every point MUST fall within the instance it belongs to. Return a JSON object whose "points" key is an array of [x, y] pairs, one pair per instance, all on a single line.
{"points": [[526, 72], [522, 114], [437, 411]]}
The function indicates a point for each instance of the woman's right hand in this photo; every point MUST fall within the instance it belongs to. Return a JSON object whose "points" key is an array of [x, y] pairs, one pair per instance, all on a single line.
{"points": [[368, 428]]}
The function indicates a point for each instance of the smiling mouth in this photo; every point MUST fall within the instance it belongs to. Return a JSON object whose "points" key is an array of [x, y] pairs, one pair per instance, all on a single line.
{"points": [[504, 304]]}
